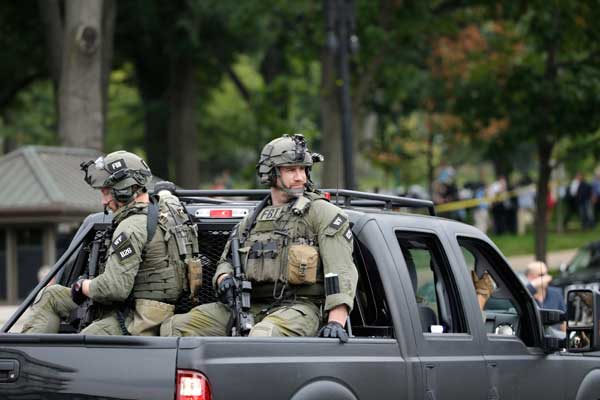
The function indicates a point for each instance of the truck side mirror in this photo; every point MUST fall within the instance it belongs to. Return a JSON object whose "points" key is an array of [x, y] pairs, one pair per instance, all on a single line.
{"points": [[553, 339], [583, 306], [551, 317]]}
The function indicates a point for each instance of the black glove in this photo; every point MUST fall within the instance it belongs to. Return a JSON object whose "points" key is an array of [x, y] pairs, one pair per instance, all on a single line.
{"points": [[334, 329], [77, 292], [225, 291], [165, 185]]}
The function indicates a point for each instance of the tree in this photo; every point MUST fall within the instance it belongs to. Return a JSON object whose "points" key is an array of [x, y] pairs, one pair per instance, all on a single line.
{"points": [[21, 69], [174, 71], [79, 50], [82, 84], [542, 82]]}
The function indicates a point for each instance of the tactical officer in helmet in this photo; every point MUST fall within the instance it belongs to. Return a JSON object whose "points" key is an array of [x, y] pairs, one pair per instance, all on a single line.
{"points": [[138, 285], [294, 239]]}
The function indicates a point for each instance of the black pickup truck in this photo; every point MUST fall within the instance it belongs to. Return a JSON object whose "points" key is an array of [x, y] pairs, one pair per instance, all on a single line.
{"points": [[417, 331]]}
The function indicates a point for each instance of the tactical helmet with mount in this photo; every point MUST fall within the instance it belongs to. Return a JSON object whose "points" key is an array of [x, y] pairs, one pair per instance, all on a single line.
{"points": [[125, 173], [284, 151]]}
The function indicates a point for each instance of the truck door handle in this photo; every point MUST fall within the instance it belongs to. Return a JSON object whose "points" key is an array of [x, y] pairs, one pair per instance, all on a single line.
{"points": [[9, 370]]}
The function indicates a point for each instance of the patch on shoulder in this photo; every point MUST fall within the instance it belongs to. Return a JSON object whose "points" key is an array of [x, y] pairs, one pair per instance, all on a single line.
{"points": [[125, 252], [348, 234], [337, 221], [120, 240]]}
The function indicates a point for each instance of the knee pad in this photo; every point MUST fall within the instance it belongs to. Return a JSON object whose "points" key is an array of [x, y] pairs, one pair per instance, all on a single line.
{"points": [[265, 328], [48, 294], [167, 328]]}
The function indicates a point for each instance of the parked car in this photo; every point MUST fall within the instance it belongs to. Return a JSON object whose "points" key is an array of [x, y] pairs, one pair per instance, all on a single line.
{"points": [[582, 271]]}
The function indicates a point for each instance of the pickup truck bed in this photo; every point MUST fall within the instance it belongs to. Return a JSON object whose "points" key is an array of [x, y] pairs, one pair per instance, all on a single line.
{"points": [[418, 332]]}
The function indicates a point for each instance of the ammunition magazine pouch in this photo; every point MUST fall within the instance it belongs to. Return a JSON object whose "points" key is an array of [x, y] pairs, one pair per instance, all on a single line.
{"points": [[194, 276], [260, 250]]}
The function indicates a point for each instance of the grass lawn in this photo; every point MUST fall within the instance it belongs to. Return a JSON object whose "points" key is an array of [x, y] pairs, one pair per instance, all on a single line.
{"points": [[512, 245]]}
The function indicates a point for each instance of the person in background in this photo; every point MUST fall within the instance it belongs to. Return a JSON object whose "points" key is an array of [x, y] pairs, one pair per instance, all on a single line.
{"points": [[498, 192], [596, 195], [526, 201], [42, 272], [544, 295]]}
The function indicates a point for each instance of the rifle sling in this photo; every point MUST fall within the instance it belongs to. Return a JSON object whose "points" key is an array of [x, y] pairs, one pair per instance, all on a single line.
{"points": [[252, 218], [152, 220]]}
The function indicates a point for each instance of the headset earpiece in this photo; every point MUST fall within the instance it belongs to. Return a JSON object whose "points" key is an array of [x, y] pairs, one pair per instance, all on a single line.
{"points": [[123, 195]]}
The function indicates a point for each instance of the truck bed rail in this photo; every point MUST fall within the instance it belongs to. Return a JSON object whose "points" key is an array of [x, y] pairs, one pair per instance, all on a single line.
{"points": [[338, 196]]}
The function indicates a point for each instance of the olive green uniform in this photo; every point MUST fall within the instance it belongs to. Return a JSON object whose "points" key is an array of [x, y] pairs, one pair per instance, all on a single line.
{"points": [[134, 270], [285, 255]]}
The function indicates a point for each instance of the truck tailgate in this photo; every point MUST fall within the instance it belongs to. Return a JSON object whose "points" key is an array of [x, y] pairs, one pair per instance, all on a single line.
{"points": [[87, 367]]}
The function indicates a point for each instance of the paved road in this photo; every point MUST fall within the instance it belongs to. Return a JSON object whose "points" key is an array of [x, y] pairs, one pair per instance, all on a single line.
{"points": [[554, 259], [518, 263], [5, 313]]}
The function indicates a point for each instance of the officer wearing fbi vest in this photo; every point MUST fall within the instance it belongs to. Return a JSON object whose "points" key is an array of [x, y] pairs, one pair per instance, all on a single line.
{"points": [[294, 239], [138, 286]]}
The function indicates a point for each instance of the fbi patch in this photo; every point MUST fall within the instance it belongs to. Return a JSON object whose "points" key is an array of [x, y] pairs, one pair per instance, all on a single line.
{"points": [[119, 240], [348, 234], [116, 165], [270, 214], [338, 221], [125, 252]]}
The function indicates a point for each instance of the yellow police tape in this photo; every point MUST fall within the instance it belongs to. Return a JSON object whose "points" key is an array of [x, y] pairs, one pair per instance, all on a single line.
{"points": [[470, 203]]}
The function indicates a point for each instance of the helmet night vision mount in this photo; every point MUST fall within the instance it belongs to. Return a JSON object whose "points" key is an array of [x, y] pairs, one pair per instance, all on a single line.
{"points": [[126, 174]]}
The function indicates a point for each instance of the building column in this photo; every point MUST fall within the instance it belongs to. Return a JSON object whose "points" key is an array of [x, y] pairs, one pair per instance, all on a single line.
{"points": [[49, 245], [12, 267]]}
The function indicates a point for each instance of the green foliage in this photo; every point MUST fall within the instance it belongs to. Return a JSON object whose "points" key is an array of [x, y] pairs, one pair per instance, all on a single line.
{"points": [[259, 75], [21, 70], [124, 123], [21, 41], [518, 245], [30, 119]]}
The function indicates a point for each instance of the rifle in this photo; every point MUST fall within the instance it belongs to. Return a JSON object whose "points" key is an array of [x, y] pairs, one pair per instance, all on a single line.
{"points": [[85, 314], [243, 319]]}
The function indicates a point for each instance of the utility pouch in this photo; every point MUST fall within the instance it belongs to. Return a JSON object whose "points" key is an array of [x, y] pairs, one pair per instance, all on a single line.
{"points": [[194, 275], [303, 261]]}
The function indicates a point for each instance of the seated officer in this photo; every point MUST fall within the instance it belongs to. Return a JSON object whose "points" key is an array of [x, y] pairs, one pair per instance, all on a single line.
{"points": [[131, 295], [294, 239]]}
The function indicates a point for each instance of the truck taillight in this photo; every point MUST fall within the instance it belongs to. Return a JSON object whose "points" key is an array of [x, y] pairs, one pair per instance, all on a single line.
{"points": [[192, 385]]}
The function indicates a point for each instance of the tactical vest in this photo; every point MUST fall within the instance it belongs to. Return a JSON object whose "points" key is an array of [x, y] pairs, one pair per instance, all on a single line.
{"points": [[162, 274], [265, 252]]}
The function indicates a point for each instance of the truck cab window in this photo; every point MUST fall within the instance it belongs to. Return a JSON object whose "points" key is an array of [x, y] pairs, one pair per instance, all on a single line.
{"points": [[506, 311], [370, 316], [435, 291]]}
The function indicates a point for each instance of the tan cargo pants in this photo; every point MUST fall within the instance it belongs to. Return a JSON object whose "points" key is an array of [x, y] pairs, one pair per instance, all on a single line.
{"points": [[213, 319], [54, 303]]}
